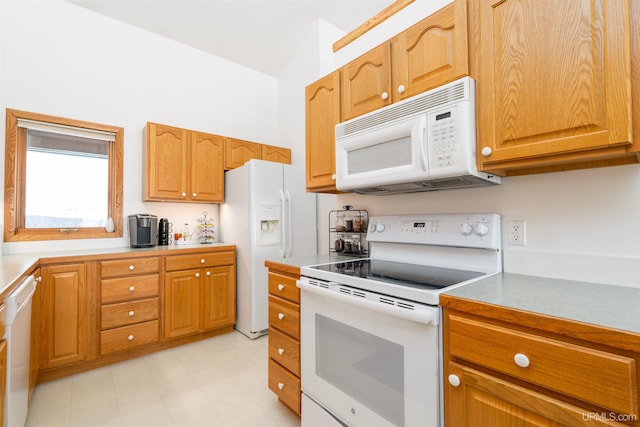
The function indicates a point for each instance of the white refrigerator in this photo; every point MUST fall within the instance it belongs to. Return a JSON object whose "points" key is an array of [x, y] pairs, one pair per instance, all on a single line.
{"points": [[268, 215]]}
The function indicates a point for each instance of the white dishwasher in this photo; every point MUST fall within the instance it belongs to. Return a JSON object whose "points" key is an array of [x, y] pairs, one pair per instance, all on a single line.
{"points": [[18, 336]]}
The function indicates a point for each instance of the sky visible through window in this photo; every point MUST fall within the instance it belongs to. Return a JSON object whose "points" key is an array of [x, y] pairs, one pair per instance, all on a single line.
{"points": [[64, 190]]}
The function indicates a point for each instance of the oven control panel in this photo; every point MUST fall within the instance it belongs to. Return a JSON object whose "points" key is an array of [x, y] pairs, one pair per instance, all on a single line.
{"points": [[464, 230]]}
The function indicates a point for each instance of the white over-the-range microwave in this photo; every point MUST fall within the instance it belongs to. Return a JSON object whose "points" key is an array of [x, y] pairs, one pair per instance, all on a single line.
{"points": [[423, 143]]}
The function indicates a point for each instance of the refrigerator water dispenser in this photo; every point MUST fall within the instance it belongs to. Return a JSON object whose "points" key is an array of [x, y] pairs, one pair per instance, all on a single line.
{"points": [[269, 229]]}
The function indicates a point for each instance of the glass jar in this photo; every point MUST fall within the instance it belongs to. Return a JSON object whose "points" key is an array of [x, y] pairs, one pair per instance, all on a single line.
{"points": [[356, 244], [338, 244], [348, 246], [348, 222], [340, 225], [359, 223]]}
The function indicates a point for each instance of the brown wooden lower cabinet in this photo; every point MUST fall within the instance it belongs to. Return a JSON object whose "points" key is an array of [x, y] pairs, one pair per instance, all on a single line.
{"points": [[93, 311], [538, 371], [284, 334]]}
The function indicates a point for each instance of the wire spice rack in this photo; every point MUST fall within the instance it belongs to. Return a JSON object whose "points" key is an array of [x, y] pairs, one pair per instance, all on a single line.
{"points": [[348, 231]]}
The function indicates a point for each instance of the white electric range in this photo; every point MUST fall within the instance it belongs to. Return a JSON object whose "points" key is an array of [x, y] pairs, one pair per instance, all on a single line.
{"points": [[370, 328]]}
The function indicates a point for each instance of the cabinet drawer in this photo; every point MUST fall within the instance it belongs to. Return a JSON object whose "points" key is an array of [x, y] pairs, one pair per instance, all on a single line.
{"points": [[284, 350], [284, 287], [604, 379], [185, 262], [129, 266], [128, 288], [285, 385], [285, 316], [127, 313], [119, 339]]}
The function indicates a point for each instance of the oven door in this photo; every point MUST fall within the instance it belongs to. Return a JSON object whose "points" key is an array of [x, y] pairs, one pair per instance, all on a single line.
{"points": [[369, 363]]}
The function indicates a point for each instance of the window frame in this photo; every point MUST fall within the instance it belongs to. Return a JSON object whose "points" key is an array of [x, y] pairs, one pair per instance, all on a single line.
{"points": [[15, 182]]}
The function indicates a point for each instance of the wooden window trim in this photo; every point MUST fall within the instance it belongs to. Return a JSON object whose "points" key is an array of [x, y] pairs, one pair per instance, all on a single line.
{"points": [[15, 177]]}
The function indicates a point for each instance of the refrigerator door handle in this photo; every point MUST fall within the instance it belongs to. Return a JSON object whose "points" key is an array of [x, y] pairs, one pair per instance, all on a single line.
{"points": [[283, 220], [288, 223]]}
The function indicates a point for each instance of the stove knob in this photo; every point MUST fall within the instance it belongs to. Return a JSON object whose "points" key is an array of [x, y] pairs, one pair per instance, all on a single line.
{"points": [[372, 227], [379, 227], [482, 229], [466, 229]]}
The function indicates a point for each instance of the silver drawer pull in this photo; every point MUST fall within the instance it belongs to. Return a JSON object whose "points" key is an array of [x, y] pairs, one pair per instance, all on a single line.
{"points": [[130, 337], [521, 360], [280, 316], [280, 287], [281, 351], [131, 313]]}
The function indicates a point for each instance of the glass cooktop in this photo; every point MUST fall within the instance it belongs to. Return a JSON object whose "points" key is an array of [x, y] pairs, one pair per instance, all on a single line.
{"points": [[412, 275]]}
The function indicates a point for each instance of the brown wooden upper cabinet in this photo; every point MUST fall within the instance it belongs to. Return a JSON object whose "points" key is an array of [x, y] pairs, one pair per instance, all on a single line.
{"points": [[237, 152], [183, 165], [428, 54], [554, 85], [322, 109]]}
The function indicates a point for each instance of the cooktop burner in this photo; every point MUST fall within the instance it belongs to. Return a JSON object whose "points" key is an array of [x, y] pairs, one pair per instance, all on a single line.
{"points": [[410, 275]]}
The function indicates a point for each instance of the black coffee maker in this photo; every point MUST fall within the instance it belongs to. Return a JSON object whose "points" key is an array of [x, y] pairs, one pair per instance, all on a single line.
{"points": [[143, 230], [163, 232]]}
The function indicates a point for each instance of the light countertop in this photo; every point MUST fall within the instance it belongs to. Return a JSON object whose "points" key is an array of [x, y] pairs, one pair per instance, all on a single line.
{"points": [[599, 304]]}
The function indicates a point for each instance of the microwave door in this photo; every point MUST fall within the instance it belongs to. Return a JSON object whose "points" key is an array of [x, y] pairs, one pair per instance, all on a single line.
{"points": [[387, 154]]}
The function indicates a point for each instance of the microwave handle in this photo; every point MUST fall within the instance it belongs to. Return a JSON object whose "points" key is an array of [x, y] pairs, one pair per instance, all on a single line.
{"points": [[420, 129]]}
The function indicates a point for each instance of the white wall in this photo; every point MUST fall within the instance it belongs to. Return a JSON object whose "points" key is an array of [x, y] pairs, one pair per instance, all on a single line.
{"points": [[582, 225], [60, 59]]}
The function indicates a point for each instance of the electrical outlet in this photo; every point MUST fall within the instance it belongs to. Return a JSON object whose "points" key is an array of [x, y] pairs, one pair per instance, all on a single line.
{"points": [[516, 233]]}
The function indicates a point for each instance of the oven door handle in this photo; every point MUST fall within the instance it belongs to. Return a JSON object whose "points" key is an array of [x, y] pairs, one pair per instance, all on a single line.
{"points": [[430, 316]]}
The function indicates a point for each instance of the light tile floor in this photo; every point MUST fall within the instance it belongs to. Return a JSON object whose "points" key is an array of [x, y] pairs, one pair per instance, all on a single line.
{"points": [[217, 382]]}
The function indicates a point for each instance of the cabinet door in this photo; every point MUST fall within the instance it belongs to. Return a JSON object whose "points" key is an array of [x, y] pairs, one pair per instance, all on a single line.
{"points": [[366, 82], [64, 317], [553, 81], [237, 152], [166, 163], [182, 303], [276, 154], [431, 53], [207, 168], [483, 400], [322, 110], [218, 297]]}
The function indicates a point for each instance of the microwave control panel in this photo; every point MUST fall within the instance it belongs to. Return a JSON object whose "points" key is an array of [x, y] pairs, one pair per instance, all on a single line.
{"points": [[448, 135]]}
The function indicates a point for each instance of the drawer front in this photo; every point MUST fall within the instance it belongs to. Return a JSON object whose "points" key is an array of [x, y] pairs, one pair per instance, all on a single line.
{"points": [[119, 339], [284, 287], [285, 350], [285, 385], [208, 259], [598, 377], [128, 288], [128, 313], [124, 267], [284, 316]]}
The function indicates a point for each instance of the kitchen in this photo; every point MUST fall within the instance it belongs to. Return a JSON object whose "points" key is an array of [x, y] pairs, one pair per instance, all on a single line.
{"points": [[580, 225]]}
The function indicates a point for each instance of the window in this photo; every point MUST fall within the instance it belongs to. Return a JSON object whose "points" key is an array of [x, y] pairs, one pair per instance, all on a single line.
{"points": [[63, 178]]}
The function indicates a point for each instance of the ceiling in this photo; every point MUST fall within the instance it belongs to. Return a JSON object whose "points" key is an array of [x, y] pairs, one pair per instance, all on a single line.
{"points": [[260, 34]]}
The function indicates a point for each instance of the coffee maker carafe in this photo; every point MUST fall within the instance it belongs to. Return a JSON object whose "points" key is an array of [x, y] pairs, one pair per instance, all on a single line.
{"points": [[143, 230]]}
